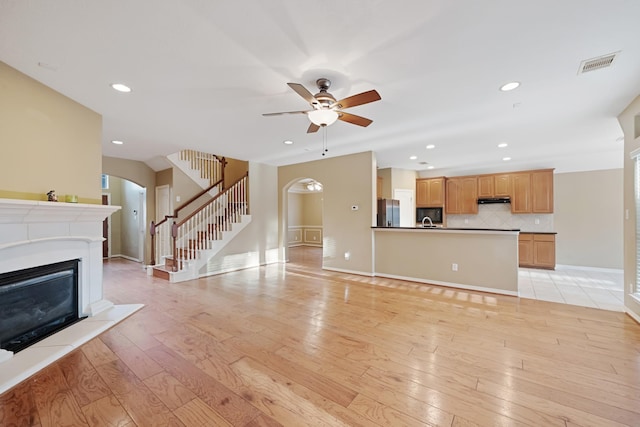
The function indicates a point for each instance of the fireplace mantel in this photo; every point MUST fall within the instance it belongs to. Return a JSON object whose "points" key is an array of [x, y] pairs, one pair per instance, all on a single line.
{"points": [[29, 211]]}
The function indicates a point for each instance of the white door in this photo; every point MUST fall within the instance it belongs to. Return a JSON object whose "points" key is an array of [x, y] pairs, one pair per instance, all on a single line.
{"points": [[407, 207], [163, 202]]}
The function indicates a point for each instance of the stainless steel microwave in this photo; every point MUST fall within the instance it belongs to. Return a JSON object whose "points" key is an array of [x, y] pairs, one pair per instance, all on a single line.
{"points": [[434, 213]]}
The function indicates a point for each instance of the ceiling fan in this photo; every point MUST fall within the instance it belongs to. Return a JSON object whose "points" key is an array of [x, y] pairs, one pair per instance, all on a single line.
{"points": [[326, 110]]}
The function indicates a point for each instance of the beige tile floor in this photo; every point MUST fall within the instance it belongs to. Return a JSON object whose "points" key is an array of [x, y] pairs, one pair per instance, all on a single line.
{"points": [[590, 288]]}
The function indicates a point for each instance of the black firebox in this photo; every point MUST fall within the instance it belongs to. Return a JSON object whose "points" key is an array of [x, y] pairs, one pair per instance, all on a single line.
{"points": [[36, 302]]}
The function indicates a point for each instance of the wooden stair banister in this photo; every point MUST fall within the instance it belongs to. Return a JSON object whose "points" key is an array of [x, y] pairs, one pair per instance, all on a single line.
{"points": [[194, 241], [154, 225]]}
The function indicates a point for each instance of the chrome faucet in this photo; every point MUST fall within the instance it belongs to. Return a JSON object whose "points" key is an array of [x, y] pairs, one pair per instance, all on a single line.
{"points": [[430, 222]]}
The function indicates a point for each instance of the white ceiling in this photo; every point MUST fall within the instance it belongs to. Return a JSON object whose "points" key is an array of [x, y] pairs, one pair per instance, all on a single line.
{"points": [[203, 72]]}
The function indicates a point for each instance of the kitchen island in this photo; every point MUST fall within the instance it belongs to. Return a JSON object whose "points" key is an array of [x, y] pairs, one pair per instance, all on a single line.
{"points": [[476, 259]]}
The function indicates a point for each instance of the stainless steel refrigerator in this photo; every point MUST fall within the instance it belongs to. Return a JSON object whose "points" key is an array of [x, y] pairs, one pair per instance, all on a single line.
{"points": [[388, 213]]}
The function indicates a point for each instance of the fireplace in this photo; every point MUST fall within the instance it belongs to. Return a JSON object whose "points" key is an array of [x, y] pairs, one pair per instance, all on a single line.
{"points": [[37, 302], [34, 234]]}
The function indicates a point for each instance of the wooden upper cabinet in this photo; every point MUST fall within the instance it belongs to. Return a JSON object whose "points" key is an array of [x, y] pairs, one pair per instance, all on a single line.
{"points": [[521, 192], [494, 185], [462, 195], [379, 187], [502, 185], [542, 191], [532, 192], [430, 192], [485, 186]]}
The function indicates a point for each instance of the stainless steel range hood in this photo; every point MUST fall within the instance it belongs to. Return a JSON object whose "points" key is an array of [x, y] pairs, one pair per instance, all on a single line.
{"points": [[488, 200]]}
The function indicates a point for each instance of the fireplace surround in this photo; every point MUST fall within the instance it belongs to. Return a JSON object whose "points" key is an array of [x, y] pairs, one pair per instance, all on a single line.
{"points": [[34, 234]]}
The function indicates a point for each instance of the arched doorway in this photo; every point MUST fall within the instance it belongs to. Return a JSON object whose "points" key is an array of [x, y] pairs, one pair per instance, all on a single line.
{"points": [[127, 227], [304, 224]]}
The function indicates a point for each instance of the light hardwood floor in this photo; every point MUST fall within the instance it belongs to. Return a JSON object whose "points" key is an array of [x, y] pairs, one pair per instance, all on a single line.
{"points": [[294, 345]]}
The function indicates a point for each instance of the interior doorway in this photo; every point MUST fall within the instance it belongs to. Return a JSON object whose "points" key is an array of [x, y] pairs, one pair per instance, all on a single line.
{"points": [[407, 207], [304, 225]]}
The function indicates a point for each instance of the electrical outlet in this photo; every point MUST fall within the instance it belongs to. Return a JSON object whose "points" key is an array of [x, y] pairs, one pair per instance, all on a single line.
{"points": [[537, 221], [454, 267], [466, 221], [347, 256]]}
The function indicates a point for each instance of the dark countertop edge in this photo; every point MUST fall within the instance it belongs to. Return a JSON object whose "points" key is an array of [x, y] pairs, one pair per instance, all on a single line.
{"points": [[538, 232], [450, 228]]}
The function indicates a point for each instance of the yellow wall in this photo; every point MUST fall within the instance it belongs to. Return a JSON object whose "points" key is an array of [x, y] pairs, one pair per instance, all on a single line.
{"points": [[49, 142], [347, 181], [312, 209], [627, 120]]}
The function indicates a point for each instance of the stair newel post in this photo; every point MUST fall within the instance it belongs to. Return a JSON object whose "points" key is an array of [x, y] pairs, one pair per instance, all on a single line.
{"points": [[152, 231], [174, 235]]}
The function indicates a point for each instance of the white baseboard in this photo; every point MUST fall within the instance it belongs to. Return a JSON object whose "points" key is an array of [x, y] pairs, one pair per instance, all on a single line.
{"points": [[451, 285], [631, 314], [585, 268], [341, 270], [125, 257]]}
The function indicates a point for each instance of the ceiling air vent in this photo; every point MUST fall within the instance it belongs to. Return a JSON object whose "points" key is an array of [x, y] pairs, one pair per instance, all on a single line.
{"points": [[597, 63]]}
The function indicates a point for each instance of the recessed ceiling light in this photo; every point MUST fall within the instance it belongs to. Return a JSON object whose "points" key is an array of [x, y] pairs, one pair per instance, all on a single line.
{"points": [[121, 87], [506, 159], [430, 167], [287, 142], [509, 86], [115, 141], [413, 157], [502, 145], [430, 147]]}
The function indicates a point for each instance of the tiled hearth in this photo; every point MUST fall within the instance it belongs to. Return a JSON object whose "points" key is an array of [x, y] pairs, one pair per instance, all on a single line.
{"points": [[38, 233]]}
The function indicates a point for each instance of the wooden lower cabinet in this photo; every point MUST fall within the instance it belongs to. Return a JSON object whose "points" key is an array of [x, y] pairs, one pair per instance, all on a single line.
{"points": [[537, 250]]}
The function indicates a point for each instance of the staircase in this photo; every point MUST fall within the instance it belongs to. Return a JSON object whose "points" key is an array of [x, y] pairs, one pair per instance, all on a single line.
{"points": [[203, 168], [181, 248]]}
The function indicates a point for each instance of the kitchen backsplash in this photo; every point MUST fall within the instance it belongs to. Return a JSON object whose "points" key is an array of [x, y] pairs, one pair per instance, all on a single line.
{"points": [[500, 216]]}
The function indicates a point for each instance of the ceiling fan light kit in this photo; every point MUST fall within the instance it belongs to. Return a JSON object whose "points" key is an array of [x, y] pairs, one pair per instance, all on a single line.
{"points": [[322, 117], [326, 110]]}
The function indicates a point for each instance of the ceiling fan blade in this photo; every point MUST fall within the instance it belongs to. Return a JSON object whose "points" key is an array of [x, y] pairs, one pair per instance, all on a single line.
{"points": [[303, 92], [353, 119], [284, 112], [359, 99], [313, 128]]}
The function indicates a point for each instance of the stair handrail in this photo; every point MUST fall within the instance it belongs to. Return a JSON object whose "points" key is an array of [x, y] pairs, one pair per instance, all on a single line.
{"points": [[154, 225], [214, 198], [176, 226]]}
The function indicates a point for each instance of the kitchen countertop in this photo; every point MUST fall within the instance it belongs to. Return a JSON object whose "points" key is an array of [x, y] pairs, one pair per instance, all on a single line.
{"points": [[446, 229]]}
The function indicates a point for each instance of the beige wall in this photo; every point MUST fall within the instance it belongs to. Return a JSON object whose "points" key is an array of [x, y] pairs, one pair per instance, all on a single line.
{"points": [[49, 142], [588, 218], [312, 209], [403, 179], [144, 176], [257, 244], [627, 120], [347, 181], [427, 256], [164, 177], [295, 209]]}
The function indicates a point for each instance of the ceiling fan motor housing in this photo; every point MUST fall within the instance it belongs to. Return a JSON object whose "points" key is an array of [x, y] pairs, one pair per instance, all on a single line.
{"points": [[325, 99]]}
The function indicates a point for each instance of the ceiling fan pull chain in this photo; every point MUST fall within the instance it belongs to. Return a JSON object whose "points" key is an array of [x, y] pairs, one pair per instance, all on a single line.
{"points": [[324, 140]]}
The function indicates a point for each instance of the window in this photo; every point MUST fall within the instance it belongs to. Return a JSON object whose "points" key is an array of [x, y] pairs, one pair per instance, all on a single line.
{"points": [[105, 181]]}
